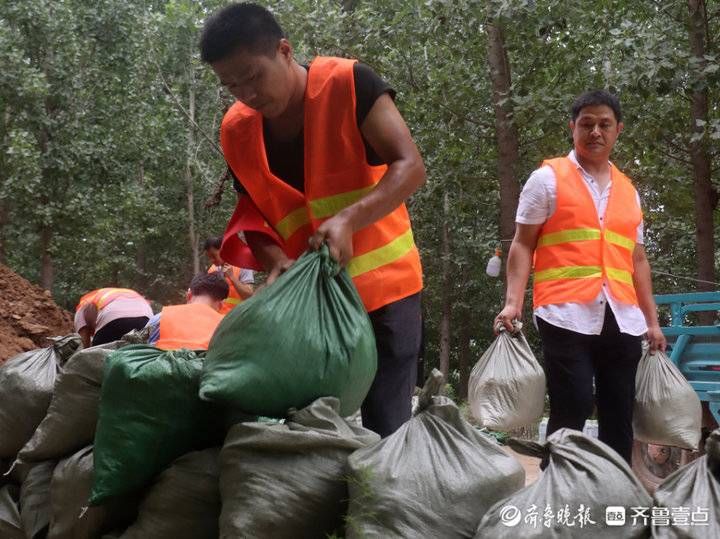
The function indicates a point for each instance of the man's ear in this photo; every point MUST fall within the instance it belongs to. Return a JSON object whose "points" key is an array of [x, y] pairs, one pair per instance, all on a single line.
{"points": [[621, 126], [188, 296]]}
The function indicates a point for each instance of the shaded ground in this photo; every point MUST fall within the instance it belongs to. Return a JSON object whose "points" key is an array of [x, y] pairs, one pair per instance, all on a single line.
{"points": [[28, 315], [530, 464]]}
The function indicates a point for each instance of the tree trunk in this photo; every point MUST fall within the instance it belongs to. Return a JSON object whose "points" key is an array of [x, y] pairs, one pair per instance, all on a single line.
{"points": [[706, 196], [140, 254], [446, 291], [505, 130], [464, 356], [4, 221], [189, 187], [46, 262]]}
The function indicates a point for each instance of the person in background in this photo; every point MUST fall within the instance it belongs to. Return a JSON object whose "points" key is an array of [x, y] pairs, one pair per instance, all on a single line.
{"points": [[580, 230], [323, 156], [106, 314], [240, 280], [193, 324]]}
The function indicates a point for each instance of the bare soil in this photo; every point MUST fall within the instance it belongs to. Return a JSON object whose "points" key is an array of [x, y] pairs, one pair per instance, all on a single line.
{"points": [[28, 315]]}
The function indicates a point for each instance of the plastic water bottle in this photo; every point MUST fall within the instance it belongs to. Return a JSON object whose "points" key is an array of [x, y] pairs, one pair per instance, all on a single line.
{"points": [[494, 265]]}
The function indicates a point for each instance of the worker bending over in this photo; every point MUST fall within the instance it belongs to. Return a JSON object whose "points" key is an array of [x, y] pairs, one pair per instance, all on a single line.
{"points": [[105, 315], [240, 280]]}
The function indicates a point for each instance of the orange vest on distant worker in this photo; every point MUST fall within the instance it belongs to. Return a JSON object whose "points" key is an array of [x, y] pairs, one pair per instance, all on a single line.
{"points": [[386, 265], [233, 299], [103, 296], [575, 254], [187, 326]]}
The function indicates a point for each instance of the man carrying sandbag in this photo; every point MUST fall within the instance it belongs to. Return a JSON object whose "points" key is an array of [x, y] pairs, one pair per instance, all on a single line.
{"points": [[323, 156], [106, 314], [580, 224], [191, 325]]}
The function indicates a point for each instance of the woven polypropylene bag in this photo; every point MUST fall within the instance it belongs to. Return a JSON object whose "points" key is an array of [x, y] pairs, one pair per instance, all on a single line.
{"points": [[434, 477], [26, 385], [150, 414], [304, 337], [10, 523], [184, 501], [35, 499], [506, 389], [570, 498], [695, 487], [667, 409], [288, 480]]}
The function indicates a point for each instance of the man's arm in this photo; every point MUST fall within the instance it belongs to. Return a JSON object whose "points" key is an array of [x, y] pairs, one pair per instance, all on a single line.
{"points": [[643, 289], [519, 264], [269, 254], [386, 132], [243, 289], [85, 321]]}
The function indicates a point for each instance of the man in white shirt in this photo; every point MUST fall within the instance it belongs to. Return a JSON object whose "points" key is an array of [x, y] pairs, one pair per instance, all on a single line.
{"points": [[580, 228]]}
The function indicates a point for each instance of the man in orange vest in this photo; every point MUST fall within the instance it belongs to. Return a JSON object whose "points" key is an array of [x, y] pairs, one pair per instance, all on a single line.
{"points": [[107, 314], [193, 324], [239, 280], [580, 228], [321, 154]]}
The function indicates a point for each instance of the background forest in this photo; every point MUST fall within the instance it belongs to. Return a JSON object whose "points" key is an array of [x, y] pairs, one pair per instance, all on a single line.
{"points": [[109, 123]]}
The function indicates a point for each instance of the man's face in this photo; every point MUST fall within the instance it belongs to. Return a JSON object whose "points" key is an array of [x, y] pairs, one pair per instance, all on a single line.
{"points": [[213, 255], [595, 131], [261, 82]]}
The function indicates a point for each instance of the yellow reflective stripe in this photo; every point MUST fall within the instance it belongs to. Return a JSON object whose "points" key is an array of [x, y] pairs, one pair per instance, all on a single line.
{"points": [[564, 236], [568, 272], [328, 206], [381, 256], [232, 301], [616, 274], [289, 224], [617, 239]]}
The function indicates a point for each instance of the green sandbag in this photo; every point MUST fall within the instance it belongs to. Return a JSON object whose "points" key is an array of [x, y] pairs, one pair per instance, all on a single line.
{"points": [[286, 481], [304, 337], [696, 488], [69, 492], [10, 523], [150, 414], [27, 382], [35, 499], [184, 501]]}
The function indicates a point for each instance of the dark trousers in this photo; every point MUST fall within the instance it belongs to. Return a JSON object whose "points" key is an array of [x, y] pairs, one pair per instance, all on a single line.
{"points": [[573, 360], [398, 332], [113, 331]]}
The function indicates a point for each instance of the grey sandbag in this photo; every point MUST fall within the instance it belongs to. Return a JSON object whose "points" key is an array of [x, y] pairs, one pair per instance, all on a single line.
{"points": [[73, 412], [667, 409], [434, 477], [506, 389], [10, 523], [71, 518], [583, 477], [184, 501], [693, 487], [27, 382], [288, 480], [35, 499]]}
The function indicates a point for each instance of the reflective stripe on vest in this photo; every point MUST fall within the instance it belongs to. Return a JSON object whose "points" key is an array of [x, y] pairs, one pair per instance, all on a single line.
{"points": [[103, 296], [337, 175], [574, 255], [187, 326]]}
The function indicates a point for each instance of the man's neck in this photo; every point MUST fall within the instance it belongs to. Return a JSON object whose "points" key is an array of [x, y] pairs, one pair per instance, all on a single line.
{"points": [[597, 168]]}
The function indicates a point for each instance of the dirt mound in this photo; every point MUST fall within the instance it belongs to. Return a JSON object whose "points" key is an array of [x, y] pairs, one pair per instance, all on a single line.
{"points": [[28, 315]]}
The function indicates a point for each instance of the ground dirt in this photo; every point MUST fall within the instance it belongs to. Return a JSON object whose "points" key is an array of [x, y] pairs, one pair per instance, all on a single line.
{"points": [[28, 315]]}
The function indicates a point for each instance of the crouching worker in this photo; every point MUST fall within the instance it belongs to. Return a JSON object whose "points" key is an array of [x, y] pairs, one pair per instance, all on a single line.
{"points": [[106, 314], [193, 324]]}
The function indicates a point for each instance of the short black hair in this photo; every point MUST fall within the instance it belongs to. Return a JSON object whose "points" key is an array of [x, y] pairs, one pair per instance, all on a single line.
{"points": [[239, 26], [213, 241], [210, 284], [593, 98]]}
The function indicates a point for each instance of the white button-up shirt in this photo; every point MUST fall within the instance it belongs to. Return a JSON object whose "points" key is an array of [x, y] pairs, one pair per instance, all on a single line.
{"points": [[537, 203]]}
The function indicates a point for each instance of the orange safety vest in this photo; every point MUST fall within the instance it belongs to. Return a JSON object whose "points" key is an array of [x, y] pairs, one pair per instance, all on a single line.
{"points": [[233, 299], [575, 254], [187, 326], [386, 264], [103, 296]]}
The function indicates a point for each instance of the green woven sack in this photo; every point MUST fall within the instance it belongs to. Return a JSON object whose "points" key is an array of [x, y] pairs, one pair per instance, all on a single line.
{"points": [[304, 337], [149, 415]]}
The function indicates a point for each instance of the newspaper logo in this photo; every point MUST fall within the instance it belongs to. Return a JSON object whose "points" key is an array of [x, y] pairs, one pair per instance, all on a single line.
{"points": [[615, 515], [510, 516]]}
